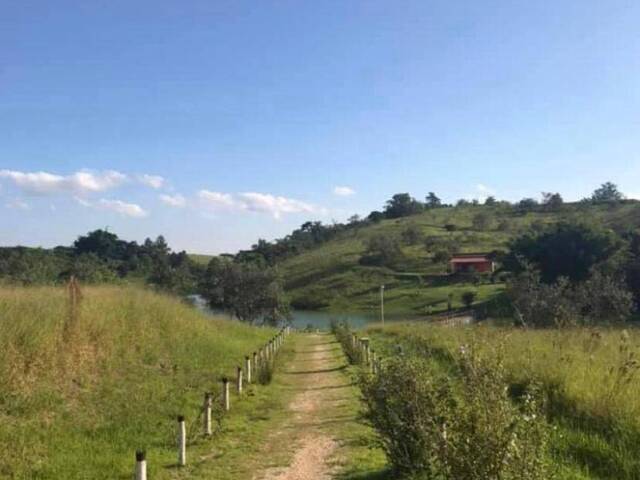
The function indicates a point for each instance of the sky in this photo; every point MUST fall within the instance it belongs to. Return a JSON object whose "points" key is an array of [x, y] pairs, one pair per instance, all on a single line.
{"points": [[215, 123]]}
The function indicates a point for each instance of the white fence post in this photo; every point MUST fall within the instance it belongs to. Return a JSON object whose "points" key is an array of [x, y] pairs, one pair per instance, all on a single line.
{"points": [[182, 441], [208, 401], [247, 367], [239, 380], [225, 394], [141, 465]]}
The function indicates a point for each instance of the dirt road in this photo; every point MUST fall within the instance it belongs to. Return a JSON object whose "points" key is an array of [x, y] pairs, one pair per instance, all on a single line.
{"points": [[322, 407]]}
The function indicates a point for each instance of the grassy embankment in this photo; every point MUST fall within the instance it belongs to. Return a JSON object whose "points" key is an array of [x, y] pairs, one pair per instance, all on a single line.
{"points": [[590, 377], [330, 276], [80, 393]]}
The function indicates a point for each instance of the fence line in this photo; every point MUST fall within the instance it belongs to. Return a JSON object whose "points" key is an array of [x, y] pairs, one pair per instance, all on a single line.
{"points": [[263, 358]]}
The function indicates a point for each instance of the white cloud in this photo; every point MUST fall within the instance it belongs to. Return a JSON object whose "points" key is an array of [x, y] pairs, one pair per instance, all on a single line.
{"points": [[83, 202], [153, 181], [343, 191], [177, 201], [44, 183], [216, 200], [255, 202], [17, 204], [123, 208], [274, 205]]}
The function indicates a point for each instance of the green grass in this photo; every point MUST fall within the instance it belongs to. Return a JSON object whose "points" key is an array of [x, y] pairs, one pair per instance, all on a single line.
{"points": [[590, 377], [77, 405], [330, 277]]}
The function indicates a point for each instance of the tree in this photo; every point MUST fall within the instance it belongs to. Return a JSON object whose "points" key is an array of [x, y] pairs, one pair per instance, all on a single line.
{"points": [[450, 227], [463, 203], [433, 201], [250, 293], [411, 234], [526, 205], [490, 201], [468, 298], [402, 205], [608, 192], [382, 250], [481, 221], [376, 216], [552, 201], [564, 250]]}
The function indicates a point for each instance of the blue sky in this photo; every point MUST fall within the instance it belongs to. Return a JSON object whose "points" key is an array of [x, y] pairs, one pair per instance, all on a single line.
{"points": [[217, 123]]}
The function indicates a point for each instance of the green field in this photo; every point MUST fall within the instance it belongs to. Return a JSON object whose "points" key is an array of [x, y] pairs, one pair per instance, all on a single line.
{"points": [[589, 378], [330, 276], [79, 393]]}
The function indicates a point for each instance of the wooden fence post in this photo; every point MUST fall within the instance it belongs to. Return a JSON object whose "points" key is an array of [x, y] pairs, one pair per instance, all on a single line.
{"points": [[365, 350], [225, 394], [255, 364], [208, 401], [182, 441], [247, 367], [141, 465], [374, 365], [239, 380]]}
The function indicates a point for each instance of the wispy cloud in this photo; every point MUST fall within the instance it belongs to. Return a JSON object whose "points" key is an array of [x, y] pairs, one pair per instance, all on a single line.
{"points": [[273, 205], [343, 191], [17, 204], [153, 181], [45, 183], [123, 208], [177, 200]]}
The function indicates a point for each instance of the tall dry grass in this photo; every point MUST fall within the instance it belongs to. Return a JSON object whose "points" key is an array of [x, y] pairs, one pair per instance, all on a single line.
{"points": [[82, 387]]}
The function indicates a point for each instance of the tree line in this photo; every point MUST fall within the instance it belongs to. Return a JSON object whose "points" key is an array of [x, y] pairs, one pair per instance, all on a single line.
{"points": [[101, 257]]}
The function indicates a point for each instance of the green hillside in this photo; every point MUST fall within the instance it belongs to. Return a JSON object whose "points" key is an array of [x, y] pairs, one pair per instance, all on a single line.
{"points": [[332, 276]]}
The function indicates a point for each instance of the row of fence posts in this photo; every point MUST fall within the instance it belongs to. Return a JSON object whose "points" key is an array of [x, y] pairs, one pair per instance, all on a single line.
{"points": [[247, 374], [368, 356]]}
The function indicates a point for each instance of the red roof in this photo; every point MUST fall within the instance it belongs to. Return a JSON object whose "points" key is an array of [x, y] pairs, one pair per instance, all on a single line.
{"points": [[470, 258]]}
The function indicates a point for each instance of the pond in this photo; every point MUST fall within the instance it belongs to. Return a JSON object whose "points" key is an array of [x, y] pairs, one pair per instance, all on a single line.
{"points": [[314, 319]]}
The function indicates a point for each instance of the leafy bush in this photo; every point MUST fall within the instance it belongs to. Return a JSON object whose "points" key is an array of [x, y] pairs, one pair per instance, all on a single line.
{"points": [[436, 426], [344, 335]]}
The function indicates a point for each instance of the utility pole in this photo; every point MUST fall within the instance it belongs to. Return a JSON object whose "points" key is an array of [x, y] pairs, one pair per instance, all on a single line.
{"points": [[382, 303]]}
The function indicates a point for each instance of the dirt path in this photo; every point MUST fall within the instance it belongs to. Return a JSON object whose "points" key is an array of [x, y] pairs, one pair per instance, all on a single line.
{"points": [[321, 408]]}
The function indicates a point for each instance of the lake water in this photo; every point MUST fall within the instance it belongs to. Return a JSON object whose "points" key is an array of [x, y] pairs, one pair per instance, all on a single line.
{"points": [[309, 318]]}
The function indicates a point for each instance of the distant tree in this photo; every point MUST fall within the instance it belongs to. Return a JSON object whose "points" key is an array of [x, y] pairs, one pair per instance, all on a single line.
{"points": [[468, 298], [552, 201], [568, 250], [411, 235], [382, 249], [432, 201], [608, 192], [463, 203], [354, 219], [450, 227], [527, 205], [402, 205], [376, 216], [490, 201], [250, 293], [441, 255], [481, 221]]}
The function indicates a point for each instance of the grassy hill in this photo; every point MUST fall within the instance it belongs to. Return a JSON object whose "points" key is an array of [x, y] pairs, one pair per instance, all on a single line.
{"points": [[331, 276], [80, 392]]}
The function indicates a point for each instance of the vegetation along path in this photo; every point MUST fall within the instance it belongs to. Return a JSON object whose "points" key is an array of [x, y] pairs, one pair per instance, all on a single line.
{"points": [[322, 431]]}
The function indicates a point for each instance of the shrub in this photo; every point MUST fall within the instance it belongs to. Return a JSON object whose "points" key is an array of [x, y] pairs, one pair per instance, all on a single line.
{"points": [[468, 298], [436, 426]]}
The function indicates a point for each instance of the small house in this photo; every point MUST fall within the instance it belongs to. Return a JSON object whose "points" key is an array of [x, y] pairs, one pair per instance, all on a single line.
{"points": [[471, 263]]}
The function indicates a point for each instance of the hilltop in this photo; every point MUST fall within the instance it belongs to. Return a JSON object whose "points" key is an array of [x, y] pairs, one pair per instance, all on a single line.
{"points": [[335, 275]]}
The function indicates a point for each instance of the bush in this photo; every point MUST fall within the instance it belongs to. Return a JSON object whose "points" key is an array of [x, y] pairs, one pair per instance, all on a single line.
{"points": [[344, 335], [435, 427], [468, 298]]}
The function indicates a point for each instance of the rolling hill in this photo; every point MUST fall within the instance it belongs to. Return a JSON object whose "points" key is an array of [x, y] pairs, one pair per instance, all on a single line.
{"points": [[333, 276]]}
